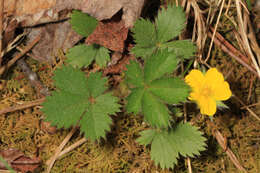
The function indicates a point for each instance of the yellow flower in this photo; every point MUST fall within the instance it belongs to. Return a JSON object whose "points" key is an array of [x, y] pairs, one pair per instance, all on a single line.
{"points": [[207, 89]]}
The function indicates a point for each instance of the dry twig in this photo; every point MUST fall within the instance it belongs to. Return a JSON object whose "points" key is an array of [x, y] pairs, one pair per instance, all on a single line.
{"points": [[72, 147], [23, 106], [52, 160], [26, 49], [223, 143], [247, 108]]}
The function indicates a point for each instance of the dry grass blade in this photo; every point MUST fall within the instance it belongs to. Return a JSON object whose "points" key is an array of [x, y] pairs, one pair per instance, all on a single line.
{"points": [[232, 51], [1, 28], [199, 29], [242, 29], [215, 30]]}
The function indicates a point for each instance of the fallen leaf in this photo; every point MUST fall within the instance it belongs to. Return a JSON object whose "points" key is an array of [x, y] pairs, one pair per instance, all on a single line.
{"points": [[104, 9], [18, 161], [110, 34], [34, 12]]}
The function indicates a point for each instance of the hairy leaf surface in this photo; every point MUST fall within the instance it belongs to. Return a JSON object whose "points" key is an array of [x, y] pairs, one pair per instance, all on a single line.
{"points": [[134, 74], [145, 37], [170, 90], [155, 112], [159, 64], [184, 49], [169, 23], [134, 100]]}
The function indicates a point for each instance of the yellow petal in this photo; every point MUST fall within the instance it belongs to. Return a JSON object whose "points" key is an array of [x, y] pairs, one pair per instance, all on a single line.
{"points": [[213, 77], [195, 79], [222, 91], [207, 106]]}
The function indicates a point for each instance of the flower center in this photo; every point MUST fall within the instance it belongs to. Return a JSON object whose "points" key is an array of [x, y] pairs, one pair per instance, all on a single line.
{"points": [[206, 91]]}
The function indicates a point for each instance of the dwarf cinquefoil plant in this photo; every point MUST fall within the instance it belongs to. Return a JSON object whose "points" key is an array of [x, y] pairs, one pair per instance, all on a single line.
{"points": [[84, 101], [153, 89]]}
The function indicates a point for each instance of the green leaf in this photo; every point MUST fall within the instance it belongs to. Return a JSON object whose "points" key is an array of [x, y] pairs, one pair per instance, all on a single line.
{"points": [[82, 55], [146, 137], [96, 121], [102, 56], [150, 37], [134, 74], [134, 100], [184, 139], [184, 49], [80, 100], [187, 139], [66, 77], [221, 105], [96, 84], [64, 109], [169, 23], [82, 23], [159, 64], [170, 90], [163, 153], [145, 37], [65, 106], [155, 112]]}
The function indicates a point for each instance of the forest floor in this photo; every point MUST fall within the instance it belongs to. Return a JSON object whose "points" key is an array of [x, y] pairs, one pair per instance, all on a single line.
{"points": [[25, 131]]}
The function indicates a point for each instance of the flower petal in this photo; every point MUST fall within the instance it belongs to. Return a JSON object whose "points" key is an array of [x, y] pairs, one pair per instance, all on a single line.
{"points": [[222, 91], [214, 77], [195, 79], [207, 106]]}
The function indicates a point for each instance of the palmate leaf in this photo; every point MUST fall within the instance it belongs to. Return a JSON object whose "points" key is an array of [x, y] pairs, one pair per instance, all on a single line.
{"points": [[150, 91], [82, 55], [82, 23], [166, 146], [80, 100], [150, 37]]}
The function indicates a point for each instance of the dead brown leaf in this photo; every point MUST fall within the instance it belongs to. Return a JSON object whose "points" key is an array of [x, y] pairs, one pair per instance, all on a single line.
{"points": [[110, 34], [18, 161], [33, 12]]}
